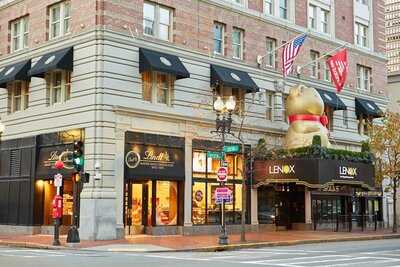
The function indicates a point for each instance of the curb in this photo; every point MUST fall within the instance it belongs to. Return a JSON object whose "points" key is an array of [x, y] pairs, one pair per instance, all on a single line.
{"points": [[206, 249]]}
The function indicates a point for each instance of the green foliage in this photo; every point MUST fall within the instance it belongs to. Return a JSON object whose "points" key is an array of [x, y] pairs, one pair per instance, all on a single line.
{"points": [[316, 141], [315, 151], [365, 147]]}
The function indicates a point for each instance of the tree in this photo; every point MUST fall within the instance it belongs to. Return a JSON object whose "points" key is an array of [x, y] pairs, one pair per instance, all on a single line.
{"points": [[385, 144]]}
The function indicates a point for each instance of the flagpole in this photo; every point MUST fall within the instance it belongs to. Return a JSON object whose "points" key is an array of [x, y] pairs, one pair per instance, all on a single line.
{"points": [[321, 57], [260, 58]]}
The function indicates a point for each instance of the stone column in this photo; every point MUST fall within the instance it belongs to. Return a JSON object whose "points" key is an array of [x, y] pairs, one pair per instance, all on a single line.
{"points": [[188, 182], [254, 206], [97, 205], [119, 180], [307, 206]]}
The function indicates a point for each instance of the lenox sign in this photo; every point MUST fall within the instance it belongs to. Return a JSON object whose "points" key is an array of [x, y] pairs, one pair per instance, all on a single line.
{"points": [[347, 172], [281, 169]]}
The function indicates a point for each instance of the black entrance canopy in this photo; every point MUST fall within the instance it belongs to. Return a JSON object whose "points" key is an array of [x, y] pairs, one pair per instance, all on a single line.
{"points": [[332, 100], [14, 72], [366, 107], [232, 78], [150, 60], [61, 59]]}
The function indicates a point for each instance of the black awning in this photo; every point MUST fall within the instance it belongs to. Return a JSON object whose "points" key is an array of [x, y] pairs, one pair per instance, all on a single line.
{"points": [[332, 100], [232, 78], [18, 71], [61, 59], [366, 107], [150, 60]]}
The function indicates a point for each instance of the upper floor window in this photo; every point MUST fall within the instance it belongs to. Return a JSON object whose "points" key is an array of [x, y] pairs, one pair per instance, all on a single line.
{"points": [[269, 105], [19, 95], [60, 19], [283, 9], [314, 66], [364, 2], [58, 86], [158, 87], [364, 124], [270, 58], [312, 17], [327, 72], [324, 20], [19, 34], [268, 7], [329, 113], [157, 21], [219, 32], [237, 43], [318, 19], [284, 110], [239, 2], [364, 78], [361, 34]]}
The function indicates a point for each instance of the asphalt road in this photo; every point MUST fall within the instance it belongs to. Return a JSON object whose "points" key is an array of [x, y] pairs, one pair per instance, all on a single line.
{"points": [[382, 253]]}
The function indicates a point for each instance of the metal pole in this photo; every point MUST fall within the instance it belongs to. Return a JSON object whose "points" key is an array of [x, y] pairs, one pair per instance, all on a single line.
{"points": [[321, 57], [282, 45], [244, 192], [73, 234], [223, 238]]}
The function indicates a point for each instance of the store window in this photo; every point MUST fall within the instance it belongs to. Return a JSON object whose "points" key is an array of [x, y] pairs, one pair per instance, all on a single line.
{"points": [[329, 113], [364, 124], [166, 203], [157, 21], [205, 210], [18, 95], [58, 86], [60, 19], [19, 34], [158, 87]]}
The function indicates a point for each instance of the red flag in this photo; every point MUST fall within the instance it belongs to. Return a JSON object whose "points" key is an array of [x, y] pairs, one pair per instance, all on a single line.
{"points": [[339, 68]]}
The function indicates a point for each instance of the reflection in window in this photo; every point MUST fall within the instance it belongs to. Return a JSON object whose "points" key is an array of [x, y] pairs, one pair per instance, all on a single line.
{"points": [[166, 203], [199, 203]]}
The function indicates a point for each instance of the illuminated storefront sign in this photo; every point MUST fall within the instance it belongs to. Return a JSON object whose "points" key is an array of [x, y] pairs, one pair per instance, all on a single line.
{"points": [[314, 171]]}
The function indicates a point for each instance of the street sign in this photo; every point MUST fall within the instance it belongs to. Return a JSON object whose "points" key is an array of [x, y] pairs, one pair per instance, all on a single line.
{"points": [[223, 194], [215, 154], [232, 149], [222, 174], [58, 180]]}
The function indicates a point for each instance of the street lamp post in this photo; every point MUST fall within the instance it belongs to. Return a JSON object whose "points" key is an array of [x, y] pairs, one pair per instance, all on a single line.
{"points": [[223, 125]]}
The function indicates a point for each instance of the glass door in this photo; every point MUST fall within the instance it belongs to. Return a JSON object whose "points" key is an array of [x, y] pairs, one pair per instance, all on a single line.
{"points": [[137, 207]]}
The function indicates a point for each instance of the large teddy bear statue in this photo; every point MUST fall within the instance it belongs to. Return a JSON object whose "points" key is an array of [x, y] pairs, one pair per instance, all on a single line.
{"points": [[305, 109]]}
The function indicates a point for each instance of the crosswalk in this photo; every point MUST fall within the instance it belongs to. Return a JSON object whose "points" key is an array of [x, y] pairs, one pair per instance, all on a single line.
{"points": [[273, 257], [292, 258]]}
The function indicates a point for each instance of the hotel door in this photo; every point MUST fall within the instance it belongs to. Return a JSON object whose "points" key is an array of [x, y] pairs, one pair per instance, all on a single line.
{"points": [[137, 207]]}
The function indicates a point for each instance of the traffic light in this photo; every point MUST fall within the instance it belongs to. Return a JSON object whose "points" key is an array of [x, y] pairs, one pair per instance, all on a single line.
{"points": [[77, 156]]}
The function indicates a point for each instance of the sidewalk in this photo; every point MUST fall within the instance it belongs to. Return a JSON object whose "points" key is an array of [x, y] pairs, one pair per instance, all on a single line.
{"points": [[144, 243]]}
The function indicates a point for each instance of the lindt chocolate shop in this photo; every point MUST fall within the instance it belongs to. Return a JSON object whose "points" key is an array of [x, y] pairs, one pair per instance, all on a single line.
{"points": [[154, 181], [306, 193]]}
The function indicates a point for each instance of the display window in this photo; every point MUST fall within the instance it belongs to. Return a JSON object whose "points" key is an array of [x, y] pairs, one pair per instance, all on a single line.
{"points": [[204, 208], [166, 203]]}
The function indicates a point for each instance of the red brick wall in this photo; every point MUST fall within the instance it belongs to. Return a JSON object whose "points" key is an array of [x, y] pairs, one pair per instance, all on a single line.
{"points": [[301, 12], [344, 22], [81, 12], [379, 25]]}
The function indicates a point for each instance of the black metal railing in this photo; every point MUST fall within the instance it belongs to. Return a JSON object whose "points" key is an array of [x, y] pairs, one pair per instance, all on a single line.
{"points": [[346, 222]]}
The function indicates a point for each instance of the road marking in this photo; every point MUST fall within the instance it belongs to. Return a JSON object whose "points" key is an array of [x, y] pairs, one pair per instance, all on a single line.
{"points": [[298, 258], [361, 262], [292, 250], [333, 260], [177, 258]]}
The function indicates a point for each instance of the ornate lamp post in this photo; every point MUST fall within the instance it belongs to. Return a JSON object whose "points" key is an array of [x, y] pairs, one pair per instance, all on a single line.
{"points": [[223, 124]]}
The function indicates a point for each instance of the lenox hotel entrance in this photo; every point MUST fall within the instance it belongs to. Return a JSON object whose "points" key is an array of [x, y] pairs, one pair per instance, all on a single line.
{"points": [[154, 176]]}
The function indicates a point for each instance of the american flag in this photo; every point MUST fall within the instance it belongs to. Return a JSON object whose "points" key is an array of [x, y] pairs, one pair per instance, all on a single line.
{"points": [[290, 52]]}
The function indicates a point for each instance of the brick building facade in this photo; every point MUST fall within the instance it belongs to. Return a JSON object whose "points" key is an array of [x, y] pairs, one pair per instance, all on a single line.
{"points": [[105, 97]]}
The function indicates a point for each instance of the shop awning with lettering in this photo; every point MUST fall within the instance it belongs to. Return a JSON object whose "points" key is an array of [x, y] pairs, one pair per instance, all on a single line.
{"points": [[150, 60], [61, 59], [332, 100], [14, 72], [366, 107], [232, 78]]}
